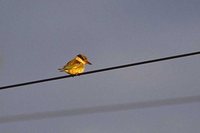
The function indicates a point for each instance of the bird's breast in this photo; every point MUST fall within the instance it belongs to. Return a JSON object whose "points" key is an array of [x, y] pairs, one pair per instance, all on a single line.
{"points": [[75, 70]]}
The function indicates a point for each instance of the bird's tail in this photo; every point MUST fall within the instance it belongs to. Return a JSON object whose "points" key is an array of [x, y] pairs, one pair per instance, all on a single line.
{"points": [[61, 69]]}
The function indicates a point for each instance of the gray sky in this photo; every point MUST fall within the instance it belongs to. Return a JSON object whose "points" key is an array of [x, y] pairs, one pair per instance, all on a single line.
{"points": [[39, 36]]}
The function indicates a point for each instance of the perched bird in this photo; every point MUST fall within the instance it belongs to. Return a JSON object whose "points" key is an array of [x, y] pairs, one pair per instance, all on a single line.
{"points": [[76, 65]]}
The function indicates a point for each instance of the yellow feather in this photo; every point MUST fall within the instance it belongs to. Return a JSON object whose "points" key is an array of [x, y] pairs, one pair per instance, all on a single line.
{"points": [[75, 66]]}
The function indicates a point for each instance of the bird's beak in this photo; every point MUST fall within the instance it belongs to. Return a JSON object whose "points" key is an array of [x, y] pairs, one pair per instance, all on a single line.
{"points": [[89, 63]]}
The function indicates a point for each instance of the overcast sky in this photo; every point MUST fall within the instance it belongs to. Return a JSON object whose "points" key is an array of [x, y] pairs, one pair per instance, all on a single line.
{"points": [[39, 36]]}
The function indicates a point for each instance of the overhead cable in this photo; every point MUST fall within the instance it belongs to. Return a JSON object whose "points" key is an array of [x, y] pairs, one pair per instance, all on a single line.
{"points": [[103, 70], [100, 109]]}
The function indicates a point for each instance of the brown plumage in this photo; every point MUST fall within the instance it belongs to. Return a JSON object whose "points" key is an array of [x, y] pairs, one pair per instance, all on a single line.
{"points": [[76, 65]]}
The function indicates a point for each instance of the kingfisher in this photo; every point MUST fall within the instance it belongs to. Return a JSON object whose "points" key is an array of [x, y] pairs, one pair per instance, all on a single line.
{"points": [[76, 65]]}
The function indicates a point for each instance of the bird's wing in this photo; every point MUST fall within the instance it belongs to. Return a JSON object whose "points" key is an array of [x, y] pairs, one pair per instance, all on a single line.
{"points": [[72, 64]]}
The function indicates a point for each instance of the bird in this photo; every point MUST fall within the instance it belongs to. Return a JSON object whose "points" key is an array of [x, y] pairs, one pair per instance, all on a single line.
{"points": [[76, 65]]}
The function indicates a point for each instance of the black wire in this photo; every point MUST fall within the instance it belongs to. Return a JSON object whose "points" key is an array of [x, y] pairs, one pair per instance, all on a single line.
{"points": [[102, 70], [100, 109]]}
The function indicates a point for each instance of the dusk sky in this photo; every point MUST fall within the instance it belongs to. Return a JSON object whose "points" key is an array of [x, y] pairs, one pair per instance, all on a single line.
{"points": [[39, 36]]}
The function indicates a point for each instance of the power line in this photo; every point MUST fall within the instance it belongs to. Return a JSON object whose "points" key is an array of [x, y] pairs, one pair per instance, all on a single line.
{"points": [[100, 109], [104, 69]]}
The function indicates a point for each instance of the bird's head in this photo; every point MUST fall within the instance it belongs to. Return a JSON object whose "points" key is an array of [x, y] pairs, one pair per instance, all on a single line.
{"points": [[83, 59]]}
